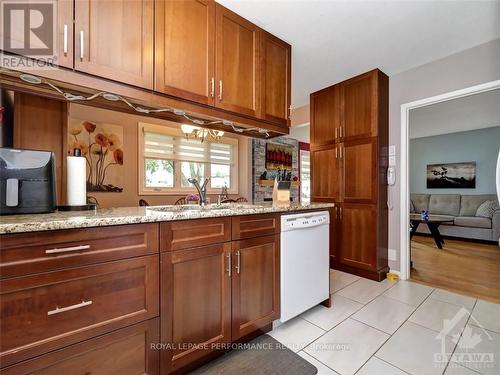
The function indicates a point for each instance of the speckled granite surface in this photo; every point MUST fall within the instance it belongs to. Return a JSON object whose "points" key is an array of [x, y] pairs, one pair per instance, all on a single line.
{"points": [[135, 215]]}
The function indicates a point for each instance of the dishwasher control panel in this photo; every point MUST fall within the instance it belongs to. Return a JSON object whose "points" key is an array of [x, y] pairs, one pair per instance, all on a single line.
{"points": [[299, 221]]}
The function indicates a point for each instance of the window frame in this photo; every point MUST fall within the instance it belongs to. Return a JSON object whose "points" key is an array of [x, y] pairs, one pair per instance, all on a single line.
{"points": [[178, 189]]}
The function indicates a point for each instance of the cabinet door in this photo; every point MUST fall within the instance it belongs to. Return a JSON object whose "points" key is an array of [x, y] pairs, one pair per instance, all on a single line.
{"points": [[275, 79], [236, 63], [255, 284], [326, 176], [360, 171], [65, 33], [196, 303], [185, 48], [359, 103], [359, 235], [325, 116], [114, 39], [127, 351]]}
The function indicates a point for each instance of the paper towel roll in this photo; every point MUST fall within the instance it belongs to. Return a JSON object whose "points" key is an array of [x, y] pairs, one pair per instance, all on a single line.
{"points": [[76, 182]]}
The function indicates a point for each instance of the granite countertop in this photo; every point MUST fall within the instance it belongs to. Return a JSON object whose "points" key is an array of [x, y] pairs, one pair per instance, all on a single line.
{"points": [[136, 215]]}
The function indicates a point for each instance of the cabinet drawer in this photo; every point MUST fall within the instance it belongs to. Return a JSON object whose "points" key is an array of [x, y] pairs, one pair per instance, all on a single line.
{"points": [[249, 226], [29, 253], [47, 311], [126, 352], [185, 234]]}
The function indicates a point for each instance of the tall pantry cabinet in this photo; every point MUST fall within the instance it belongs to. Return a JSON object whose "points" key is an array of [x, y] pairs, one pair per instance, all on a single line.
{"points": [[349, 139]]}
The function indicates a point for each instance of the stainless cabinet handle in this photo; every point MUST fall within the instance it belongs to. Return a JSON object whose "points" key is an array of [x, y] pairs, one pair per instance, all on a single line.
{"points": [[65, 40], [341, 131], [336, 152], [59, 310], [238, 261], [341, 152], [220, 89], [229, 264], [336, 132], [212, 87], [81, 45], [66, 249], [340, 212]]}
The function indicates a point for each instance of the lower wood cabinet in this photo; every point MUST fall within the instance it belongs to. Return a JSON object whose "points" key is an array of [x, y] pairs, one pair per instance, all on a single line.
{"points": [[47, 311], [196, 303], [255, 284], [127, 351], [358, 251], [216, 294]]}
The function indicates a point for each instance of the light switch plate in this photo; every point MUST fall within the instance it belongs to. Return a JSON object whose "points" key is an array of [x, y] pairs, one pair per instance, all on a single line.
{"points": [[392, 150]]}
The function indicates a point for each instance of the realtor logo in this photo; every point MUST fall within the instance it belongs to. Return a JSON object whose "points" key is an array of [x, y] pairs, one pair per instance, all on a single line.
{"points": [[466, 352], [28, 27]]}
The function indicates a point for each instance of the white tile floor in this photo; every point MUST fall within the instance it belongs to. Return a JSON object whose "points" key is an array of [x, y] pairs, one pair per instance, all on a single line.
{"points": [[396, 328]]}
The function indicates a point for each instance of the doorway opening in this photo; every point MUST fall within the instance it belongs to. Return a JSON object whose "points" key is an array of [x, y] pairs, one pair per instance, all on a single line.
{"points": [[449, 151]]}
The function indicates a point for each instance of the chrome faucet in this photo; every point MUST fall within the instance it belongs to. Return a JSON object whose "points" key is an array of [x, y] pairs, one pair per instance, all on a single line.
{"points": [[202, 190]]}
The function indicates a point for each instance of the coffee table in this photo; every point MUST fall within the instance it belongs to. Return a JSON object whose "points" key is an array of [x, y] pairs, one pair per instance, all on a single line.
{"points": [[433, 223]]}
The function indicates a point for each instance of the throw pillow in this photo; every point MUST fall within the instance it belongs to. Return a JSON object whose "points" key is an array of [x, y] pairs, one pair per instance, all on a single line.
{"points": [[486, 209]]}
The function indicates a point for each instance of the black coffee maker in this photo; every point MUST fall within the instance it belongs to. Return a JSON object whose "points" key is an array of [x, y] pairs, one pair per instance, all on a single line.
{"points": [[27, 181]]}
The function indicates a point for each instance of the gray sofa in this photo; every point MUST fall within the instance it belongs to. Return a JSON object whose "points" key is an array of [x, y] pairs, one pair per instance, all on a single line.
{"points": [[462, 210]]}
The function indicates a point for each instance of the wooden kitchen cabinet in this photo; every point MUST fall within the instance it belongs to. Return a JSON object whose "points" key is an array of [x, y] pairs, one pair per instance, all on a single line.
{"points": [[358, 248], [349, 139], [114, 40], [359, 96], [325, 116], [237, 63], [47, 311], [65, 33], [360, 170], [275, 79], [126, 351], [195, 302], [326, 176], [185, 49], [255, 284]]}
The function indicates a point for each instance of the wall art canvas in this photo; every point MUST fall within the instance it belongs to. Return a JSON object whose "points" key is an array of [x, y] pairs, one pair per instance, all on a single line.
{"points": [[451, 176], [279, 156], [101, 145]]}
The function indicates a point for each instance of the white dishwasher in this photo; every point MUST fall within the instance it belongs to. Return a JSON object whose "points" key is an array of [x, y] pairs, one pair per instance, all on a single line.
{"points": [[305, 269]]}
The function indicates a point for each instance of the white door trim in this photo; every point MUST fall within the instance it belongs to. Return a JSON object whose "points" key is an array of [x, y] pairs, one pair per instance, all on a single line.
{"points": [[405, 186]]}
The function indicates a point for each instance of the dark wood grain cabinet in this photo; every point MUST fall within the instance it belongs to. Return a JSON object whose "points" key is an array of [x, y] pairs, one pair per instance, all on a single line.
{"points": [[349, 138], [255, 284], [185, 49], [220, 292], [127, 351], [196, 303], [114, 40]]}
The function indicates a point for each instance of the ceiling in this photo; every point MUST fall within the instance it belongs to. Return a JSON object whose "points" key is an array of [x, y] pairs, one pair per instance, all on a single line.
{"points": [[334, 40], [468, 113]]}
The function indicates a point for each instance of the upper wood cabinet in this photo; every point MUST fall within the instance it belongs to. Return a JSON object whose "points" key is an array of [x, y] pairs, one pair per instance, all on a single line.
{"points": [[325, 116], [65, 33], [326, 178], [255, 284], [114, 40], [185, 49], [237, 66], [275, 79], [359, 106]]}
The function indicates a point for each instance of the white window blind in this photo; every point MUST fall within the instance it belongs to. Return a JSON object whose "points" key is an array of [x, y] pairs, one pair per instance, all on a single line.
{"points": [[171, 147]]}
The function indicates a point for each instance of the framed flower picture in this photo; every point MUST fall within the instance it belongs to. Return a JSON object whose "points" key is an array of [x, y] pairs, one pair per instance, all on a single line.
{"points": [[102, 146]]}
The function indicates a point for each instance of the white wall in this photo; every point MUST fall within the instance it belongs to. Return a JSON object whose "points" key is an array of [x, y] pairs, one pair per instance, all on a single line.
{"points": [[471, 67]]}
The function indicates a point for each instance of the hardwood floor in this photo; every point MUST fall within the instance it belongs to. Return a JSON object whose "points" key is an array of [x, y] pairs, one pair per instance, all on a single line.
{"points": [[470, 268]]}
